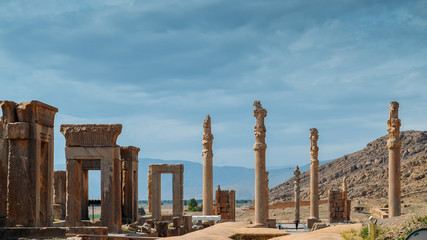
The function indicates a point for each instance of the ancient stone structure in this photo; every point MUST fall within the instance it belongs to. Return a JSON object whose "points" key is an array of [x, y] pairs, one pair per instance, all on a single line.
{"points": [[207, 167], [154, 188], [59, 194], [259, 148], [314, 176], [266, 191], [225, 204], [297, 195], [26, 164], [93, 147], [339, 205], [129, 156], [394, 144]]}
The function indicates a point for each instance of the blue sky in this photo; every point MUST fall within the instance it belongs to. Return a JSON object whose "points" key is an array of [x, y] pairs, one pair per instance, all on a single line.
{"points": [[158, 67]]}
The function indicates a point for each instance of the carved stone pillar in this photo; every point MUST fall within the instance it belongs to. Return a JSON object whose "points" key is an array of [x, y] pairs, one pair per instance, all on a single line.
{"points": [[314, 176], [394, 144], [259, 148], [207, 167], [297, 194]]}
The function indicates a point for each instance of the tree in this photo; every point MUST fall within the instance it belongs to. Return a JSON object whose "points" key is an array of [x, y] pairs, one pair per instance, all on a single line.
{"points": [[192, 205]]}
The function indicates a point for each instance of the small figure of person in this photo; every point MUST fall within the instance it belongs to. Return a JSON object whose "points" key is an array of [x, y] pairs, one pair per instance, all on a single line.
{"points": [[296, 224]]}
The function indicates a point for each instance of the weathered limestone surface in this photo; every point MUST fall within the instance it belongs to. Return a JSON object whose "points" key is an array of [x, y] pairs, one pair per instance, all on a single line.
{"points": [[225, 204], [297, 194], [154, 188], [129, 156], [93, 147], [314, 177], [394, 145], [26, 160], [207, 167], [266, 191], [259, 148], [59, 196], [339, 205]]}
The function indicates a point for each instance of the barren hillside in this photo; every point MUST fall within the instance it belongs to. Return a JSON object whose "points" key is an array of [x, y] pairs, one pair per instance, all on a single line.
{"points": [[367, 171]]}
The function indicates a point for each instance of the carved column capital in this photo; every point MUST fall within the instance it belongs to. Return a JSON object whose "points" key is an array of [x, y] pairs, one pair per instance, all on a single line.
{"points": [[314, 149], [393, 127], [207, 138], [259, 129]]}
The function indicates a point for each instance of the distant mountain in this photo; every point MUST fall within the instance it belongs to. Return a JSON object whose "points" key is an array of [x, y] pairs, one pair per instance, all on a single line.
{"points": [[367, 171]]}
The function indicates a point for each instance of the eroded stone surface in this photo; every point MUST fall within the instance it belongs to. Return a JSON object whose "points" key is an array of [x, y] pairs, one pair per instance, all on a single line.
{"points": [[207, 167], [394, 145], [259, 147], [129, 156], [93, 147], [225, 204], [80, 135], [26, 164], [154, 188], [314, 176]]}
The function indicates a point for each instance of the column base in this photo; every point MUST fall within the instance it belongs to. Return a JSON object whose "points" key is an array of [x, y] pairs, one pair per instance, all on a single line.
{"points": [[259, 225], [311, 221]]}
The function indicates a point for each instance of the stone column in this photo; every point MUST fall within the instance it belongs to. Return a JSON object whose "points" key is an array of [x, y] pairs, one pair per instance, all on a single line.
{"points": [[314, 176], [74, 191], [9, 116], [394, 144], [297, 194], [207, 167], [129, 156], [266, 190], [85, 194], [59, 198], [178, 190], [259, 148], [155, 195]]}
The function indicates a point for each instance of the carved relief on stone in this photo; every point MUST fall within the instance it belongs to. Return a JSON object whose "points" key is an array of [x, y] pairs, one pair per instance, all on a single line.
{"points": [[90, 134], [394, 127], [207, 138], [259, 128], [314, 149], [297, 179]]}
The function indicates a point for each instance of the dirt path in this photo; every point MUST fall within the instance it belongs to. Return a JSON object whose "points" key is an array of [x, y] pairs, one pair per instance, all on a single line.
{"points": [[329, 233]]}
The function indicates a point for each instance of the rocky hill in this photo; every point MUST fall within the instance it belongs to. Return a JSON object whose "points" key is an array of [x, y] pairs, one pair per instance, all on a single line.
{"points": [[367, 171]]}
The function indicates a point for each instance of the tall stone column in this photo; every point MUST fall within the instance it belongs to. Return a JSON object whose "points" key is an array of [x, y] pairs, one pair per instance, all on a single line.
{"points": [[394, 144], [259, 148], [207, 167], [314, 176], [297, 194]]}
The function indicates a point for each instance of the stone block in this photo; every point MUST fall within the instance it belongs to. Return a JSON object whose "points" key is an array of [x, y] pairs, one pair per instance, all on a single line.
{"points": [[18, 130], [81, 135], [36, 112]]}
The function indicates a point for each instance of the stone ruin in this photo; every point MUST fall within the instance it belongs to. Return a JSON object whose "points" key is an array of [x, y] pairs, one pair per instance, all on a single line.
{"points": [[129, 156], [93, 147], [225, 204], [154, 188], [339, 205], [26, 164], [59, 194]]}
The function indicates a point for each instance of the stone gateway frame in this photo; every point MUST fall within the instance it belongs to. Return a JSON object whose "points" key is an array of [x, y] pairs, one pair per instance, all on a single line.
{"points": [[154, 188], [93, 147]]}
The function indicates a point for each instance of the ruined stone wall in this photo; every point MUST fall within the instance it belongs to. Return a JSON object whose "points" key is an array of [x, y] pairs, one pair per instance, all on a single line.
{"points": [[26, 164], [339, 206], [225, 204]]}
